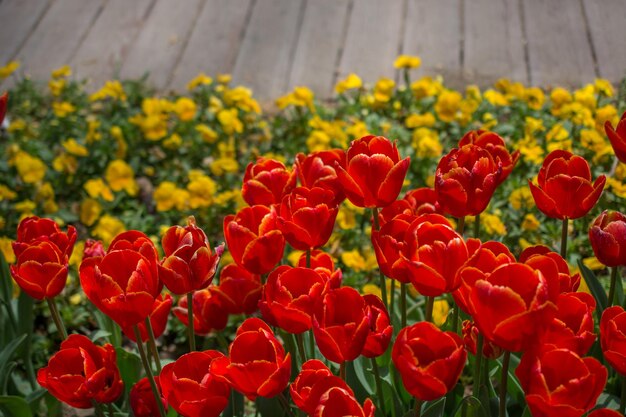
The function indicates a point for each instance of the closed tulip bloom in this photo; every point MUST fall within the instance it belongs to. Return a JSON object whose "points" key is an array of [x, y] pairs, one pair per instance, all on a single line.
{"points": [[423, 200], [81, 372], [470, 339], [339, 402], [257, 365], [189, 264], [429, 360], [307, 217], [318, 170], [142, 400], [208, 311], [613, 338], [496, 146], [374, 172], [190, 387], [289, 297], [253, 239], [324, 265], [617, 137], [158, 319], [239, 290], [381, 330], [314, 380], [607, 235], [466, 179], [266, 182], [4, 100], [32, 230], [573, 327], [511, 306], [41, 270], [389, 243], [564, 188], [559, 383], [341, 324], [553, 267]]}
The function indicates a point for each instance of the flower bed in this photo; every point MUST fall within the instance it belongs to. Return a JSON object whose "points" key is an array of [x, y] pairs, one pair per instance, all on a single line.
{"points": [[332, 296]]}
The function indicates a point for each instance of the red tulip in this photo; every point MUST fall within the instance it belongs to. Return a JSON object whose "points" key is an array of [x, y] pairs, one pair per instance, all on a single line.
{"points": [[605, 412], [374, 173], [257, 365], [613, 338], [191, 388], [208, 311], [339, 402], [341, 324], [32, 230], [158, 319], [307, 217], [239, 290], [266, 182], [429, 360], [423, 200], [124, 283], [560, 383], [381, 330], [511, 306], [466, 179], [312, 382], [607, 235], [41, 270], [572, 328], [93, 248], [495, 145], [564, 188], [553, 267], [81, 372], [142, 400], [318, 170], [324, 265], [4, 100], [189, 264], [617, 137], [470, 339], [389, 244], [253, 239], [289, 296]]}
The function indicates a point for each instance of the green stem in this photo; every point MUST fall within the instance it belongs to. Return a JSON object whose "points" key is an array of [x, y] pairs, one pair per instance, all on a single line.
{"points": [[403, 303], [622, 400], [428, 316], [97, 408], [379, 386], [418, 407], [383, 285], [342, 370], [477, 226], [460, 226], [110, 409], [612, 287], [57, 318], [564, 239], [311, 344], [503, 382], [300, 343], [285, 403], [221, 340], [308, 258], [455, 318], [146, 367], [190, 329], [479, 356], [392, 298], [152, 345]]}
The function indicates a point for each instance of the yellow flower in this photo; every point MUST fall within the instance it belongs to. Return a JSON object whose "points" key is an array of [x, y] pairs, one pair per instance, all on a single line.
{"points": [[44, 192], [62, 108], [489, 121], [318, 140], [208, 135], [530, 223], [586, 96], [97, 188], [65, 163], [185, 108], [557, 133], [593, 263], [472, 92], [441, 308], [9, 69], [107, 228], [559, 97], [241, 97], [371, 289], [56, 87], [110, 89], [120, 176], [230, 195], [93, 135], [223, 165], [62, 72], [524, 244], [419, 120], [17, 125], [591, 139], [90, 210], [200, 79], [173, 142], [122, 146], [496, 98], [299, 97], [357, 130], [521, 198], [407, 61], [533, 125], [294, 257], [426, 143], [351, 82], [354, 260], [153, 126], [230, 121], [603, 87], [447, 105], [224, 78], [383, 90], [201, 190], [74, 148], [492, 224], [163, 196], [7, 249], [6, 193], [30, 168], [535, 97], [605, 114], [25, 206], [426, 87]]}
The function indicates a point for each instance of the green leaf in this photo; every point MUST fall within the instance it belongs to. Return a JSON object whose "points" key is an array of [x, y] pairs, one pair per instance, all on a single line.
{"points": [[129, 364], [15, 406], [597, 290], [99, 334], [366, 379], [5, 358], [435, 408]]}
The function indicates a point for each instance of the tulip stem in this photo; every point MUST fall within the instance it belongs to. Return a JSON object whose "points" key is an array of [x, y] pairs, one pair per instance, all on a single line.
{"points": [[455, 318], [392, 297], [190, 330], [418, 407], [564, 239], [460, 226], [403, 303], [503, 382], [612, 287], [479, 356], [430, 304], [97, 409], [477, 226], [342, 370], [379, 386], [110, 410], [383, 285], [300, 343], [308, 258], [622, 400], [285, 403], [146, 366], [152, 345], [57, 318], [311, 344]]}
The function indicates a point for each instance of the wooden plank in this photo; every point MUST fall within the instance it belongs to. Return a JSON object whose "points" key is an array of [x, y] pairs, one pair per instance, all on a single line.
{"points": [[102, 52], [318, 45], [493, 42], [373, 39], [17, 20], [558, 48], [606, 24], [266, 51], [57, 36], [161, 41], [213, 45], [433, 32]]}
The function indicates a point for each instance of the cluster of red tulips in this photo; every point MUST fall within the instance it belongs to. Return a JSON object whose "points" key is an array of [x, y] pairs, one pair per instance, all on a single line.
{"points": [[527, 304]]}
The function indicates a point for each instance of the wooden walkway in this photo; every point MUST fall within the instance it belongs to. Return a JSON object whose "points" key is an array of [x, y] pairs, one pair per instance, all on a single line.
{"points": [[274, 45]]}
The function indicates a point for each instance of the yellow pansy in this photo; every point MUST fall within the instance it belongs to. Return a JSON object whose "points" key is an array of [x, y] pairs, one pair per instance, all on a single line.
{"points": [[605, 114], [6, 193], [185, 108], [318, 140], [533, 125], [593, 263], [441, 308], [586, 96], [162, 195], [93, 134], [407, 61], [419, 120], [65, 163], [74, 148], [224, 78], [534, 97], [496, 98], [530, 223], [224, 165], [230, 122], [521, 198], [97, 188], [294, 257], [426, 143], [492, 224], [604, 87], [110, 89], [62, 108], [9, 69], [120, 176], [6, 249], [426, 87], [62, 72], [25, 206], [107, 228], [201, 190], [173, 142], [383, 90], [90, 211], [200, 79], [241, 97], [447, 105], [208, 135], [351, 82], [56, 87], [16, 125], [30, 168]]}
